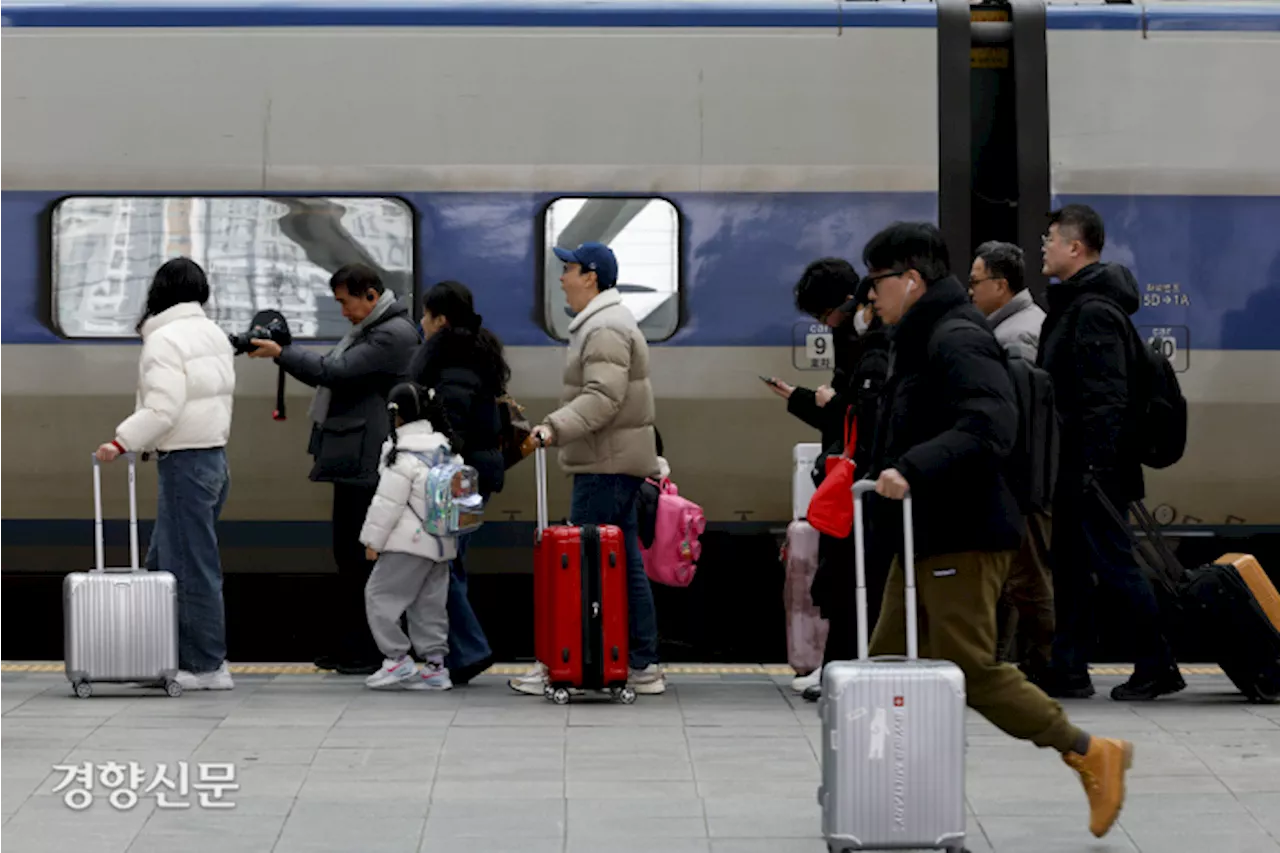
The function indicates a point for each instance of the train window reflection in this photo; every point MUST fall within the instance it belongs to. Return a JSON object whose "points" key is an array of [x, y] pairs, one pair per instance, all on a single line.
{"points": [[258, 253], [644, 234]]}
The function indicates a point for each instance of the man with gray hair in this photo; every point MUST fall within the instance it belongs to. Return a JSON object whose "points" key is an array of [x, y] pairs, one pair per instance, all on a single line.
{"points": [[997, 287], [1025, 620], [349, 423]]}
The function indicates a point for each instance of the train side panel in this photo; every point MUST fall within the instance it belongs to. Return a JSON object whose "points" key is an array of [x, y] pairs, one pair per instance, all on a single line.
{"points": [[770, 141], [1164, 118]]}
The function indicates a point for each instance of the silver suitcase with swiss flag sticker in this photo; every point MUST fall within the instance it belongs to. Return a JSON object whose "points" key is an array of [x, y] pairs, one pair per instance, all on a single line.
{"points": [[893, 739]]}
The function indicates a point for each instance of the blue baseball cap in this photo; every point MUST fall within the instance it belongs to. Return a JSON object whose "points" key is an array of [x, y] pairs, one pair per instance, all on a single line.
{"points": [[593, 257]]}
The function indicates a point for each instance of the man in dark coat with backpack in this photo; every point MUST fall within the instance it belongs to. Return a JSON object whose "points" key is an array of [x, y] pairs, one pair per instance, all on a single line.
{"points": [[1093, 352]]}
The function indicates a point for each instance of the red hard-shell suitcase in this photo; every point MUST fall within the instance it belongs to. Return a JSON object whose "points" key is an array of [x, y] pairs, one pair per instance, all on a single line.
{"points": [[580, 604]]}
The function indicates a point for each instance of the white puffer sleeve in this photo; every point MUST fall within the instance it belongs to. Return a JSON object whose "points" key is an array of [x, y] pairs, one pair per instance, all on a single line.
{"points": [[395, 486], [162, 392]]}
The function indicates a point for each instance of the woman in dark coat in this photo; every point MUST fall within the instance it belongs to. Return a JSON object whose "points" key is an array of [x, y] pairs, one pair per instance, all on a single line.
{"points": [[463, 363]]}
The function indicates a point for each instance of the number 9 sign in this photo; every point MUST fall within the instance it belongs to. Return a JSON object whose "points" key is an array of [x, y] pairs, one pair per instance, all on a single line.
{"points": [[818, 347]]}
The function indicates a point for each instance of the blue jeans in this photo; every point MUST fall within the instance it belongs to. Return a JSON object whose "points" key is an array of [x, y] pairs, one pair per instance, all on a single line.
{"points": [[467, 642], [611, 499], [193, 488]]}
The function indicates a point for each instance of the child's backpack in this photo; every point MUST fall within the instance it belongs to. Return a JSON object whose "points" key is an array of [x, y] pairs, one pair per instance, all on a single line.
{"points": [[673, 558], [454, 506]]}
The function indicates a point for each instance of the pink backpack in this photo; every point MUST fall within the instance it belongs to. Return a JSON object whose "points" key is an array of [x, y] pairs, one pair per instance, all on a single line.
{"points": [[672, 559]]}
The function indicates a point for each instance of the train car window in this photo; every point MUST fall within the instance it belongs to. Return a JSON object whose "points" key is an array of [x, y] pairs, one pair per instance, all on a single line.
{"points": [[644, 234], [258, 252]]}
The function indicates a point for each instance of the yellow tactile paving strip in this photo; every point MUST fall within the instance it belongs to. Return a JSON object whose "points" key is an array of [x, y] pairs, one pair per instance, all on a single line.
{"points": [[521, 668]]}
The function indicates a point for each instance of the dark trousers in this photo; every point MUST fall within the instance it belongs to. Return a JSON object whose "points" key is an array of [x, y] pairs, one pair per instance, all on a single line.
{"points": [[1026, 615], [350, 638], [467, 642], [1087, 542], [839, 594]]}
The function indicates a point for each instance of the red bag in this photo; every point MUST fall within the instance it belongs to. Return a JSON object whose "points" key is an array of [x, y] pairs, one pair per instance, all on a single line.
{"points": [[831, 508]]}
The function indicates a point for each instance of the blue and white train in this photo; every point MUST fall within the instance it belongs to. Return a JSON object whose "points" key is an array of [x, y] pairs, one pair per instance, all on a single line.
{"points": [[722, 144]]}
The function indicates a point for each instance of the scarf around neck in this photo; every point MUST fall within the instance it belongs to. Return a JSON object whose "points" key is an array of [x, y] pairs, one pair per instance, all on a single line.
{"points": [[320, 403]]}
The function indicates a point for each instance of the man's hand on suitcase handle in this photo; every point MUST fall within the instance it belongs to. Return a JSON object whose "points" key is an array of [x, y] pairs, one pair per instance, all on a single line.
{"points": [[543, 435], [892, 484]]}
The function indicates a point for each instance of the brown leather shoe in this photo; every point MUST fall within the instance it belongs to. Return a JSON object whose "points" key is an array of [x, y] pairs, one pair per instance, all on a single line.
{"points": [[1102, 771]]}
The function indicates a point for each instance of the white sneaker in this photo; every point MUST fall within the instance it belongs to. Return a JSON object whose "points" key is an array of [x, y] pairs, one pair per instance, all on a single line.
{"points": [[804, 682], [432, 676], [650, 681], [218, 679], [394, 672], [533, 682]]}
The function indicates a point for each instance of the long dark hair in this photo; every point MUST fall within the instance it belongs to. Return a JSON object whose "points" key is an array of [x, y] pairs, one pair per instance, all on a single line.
{"points": [[412, 402], [177, 281], [453, 301]]}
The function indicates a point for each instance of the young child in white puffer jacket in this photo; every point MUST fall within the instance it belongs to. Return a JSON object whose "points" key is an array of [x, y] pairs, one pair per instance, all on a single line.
{"points": [[411, 577]]}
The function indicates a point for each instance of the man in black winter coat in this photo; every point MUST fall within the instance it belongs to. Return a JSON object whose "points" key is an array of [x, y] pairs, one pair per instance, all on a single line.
{"points": [[1089, 346], [349, 424], [948, 424]]}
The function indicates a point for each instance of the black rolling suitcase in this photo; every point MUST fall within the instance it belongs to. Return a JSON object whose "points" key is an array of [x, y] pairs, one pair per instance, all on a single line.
{"points": [[1216, 603]]}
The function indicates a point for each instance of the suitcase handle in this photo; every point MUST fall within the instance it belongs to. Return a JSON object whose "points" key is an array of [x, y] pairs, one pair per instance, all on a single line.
{"points": [[133, 510], [540, 475], [860, 488]]}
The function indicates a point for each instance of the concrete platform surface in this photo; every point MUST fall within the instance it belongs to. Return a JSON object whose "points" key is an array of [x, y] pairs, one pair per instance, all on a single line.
{"points": [[724, 762]]}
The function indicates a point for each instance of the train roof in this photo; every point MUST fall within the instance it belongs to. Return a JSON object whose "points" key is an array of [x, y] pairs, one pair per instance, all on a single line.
{"points": [[1168, 15]]}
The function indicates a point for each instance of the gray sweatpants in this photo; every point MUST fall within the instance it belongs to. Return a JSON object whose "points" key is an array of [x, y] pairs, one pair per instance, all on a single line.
{"points": [[414, 587]]}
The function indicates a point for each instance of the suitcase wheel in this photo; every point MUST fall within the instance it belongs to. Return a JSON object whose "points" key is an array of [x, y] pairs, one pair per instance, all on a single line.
{"points": [[173, 688], [625, 695], [83, 689], [560, 696]]}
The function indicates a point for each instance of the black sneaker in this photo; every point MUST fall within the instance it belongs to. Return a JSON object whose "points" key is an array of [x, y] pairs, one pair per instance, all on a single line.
{"points": [[1145, 688], [351, 667], [1064, 686], [464, 674], [812, 693]]}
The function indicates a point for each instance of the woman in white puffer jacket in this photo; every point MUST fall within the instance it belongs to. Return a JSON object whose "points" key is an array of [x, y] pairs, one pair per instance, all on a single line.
{"points": [[411, 577], [186, 381]]}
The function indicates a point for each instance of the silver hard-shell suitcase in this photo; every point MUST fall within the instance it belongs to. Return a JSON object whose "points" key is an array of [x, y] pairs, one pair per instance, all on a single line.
{"points": [[892, 734], [120, 625]]}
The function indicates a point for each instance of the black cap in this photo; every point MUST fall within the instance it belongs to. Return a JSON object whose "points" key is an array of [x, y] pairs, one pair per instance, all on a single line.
{"points": [[862, 295]]}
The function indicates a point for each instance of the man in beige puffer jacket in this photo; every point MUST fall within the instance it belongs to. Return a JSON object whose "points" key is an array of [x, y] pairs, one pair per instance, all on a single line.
{"points": [[604, 429]]}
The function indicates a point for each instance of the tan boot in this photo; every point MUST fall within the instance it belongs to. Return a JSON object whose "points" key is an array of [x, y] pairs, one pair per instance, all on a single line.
{"points": [[1102, 771]]}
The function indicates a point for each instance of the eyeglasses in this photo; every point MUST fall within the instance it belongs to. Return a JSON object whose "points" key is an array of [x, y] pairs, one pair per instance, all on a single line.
{"points": [[974, 282]]}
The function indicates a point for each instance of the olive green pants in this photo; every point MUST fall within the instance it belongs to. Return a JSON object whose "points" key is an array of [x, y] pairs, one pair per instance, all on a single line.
{"points": [[957, 596]]}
